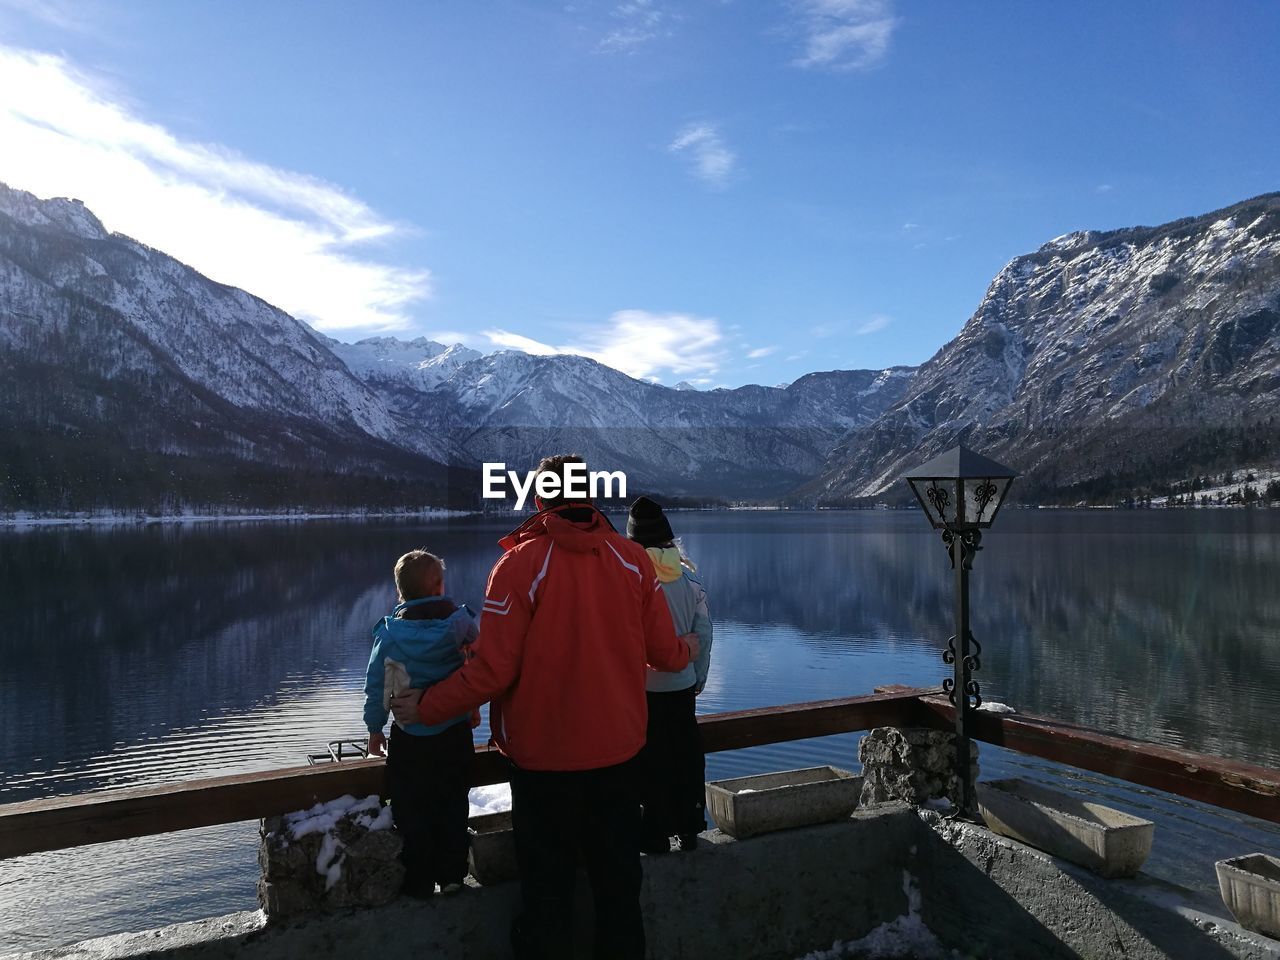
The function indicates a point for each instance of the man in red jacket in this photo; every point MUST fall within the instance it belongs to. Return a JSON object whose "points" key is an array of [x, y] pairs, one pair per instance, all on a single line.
{"points": [[571, 617]]}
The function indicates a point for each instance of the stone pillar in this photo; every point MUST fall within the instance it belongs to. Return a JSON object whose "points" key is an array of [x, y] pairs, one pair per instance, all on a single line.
{"points": [[353, 861], [914, 765]]}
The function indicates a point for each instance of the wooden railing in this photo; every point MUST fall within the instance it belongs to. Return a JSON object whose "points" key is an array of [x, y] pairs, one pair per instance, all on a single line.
{"points": [[60, 822], [1230, 784]]}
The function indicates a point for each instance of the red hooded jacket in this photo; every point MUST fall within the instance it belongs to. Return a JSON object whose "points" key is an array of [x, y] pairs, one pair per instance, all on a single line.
{"points": [[572, 614]]}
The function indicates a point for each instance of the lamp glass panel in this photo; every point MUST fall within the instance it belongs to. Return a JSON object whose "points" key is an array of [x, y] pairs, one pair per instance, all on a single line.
{"points": [[982, 498], [939, 497], [918, 488]]}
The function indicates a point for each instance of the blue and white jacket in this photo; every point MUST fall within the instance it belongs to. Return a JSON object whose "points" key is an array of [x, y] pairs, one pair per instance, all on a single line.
{"points": [[431, 637]]}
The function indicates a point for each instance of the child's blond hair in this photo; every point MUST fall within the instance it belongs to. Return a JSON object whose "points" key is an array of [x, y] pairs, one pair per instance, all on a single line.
{"points": [[419, 574]]}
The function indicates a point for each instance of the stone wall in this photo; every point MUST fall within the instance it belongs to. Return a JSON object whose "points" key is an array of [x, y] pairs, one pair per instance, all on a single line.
{"points": [[341, 854], [913, 765]]}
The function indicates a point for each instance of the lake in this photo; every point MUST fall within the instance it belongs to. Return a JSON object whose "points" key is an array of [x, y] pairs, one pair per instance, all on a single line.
{"points": [[140, 655]]}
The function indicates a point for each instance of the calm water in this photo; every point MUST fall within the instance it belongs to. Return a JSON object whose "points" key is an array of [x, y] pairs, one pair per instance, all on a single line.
{"points": [[135, 656]]}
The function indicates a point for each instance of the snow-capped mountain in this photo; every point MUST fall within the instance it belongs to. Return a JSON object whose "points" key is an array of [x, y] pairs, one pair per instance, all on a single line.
{"points": [[130, 379], [1102, 361], [751, 441], [122, 367], [59, 260]]}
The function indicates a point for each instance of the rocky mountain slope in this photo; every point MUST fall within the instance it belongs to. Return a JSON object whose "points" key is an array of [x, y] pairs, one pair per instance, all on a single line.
{"points": [[128, 380], [1098, 363]]}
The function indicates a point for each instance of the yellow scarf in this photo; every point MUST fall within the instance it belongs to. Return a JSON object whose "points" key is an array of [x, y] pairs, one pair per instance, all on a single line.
{"points": [[667, 563]]}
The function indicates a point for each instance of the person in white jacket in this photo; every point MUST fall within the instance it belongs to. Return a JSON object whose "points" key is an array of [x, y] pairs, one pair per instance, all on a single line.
{"points": [[673, 766]]}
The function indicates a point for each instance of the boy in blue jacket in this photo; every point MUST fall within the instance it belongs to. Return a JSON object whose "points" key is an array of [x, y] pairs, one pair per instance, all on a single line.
{"points": [[421, 642]]}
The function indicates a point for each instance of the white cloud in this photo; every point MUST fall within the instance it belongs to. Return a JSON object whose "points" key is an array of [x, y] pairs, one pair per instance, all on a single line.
{"points": [[713, 161], [639, 343], [1103, 188], [450, 337], [759, 352], [639, 21], [62, 14], [282, 235], [515, 341], [878, 322], [846, 34], [910, 226]]}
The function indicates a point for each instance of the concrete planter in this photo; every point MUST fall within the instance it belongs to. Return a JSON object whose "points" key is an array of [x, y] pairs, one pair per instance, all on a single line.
{"points": [[747, 806], [1250, 888], [493, 848], [1105, 840]]}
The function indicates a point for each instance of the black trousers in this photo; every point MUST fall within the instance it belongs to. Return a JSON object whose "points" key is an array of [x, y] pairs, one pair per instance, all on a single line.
{"points": [[559, 817], [673, 769], [428, 781]]}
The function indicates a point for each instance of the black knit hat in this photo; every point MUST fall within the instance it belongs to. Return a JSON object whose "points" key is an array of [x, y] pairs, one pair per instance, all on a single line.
{"points": [[647, 525]]}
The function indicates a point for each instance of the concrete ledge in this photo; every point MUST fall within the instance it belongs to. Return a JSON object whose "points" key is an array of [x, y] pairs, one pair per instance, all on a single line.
{"points": [[773, 897], [777, 896], [988, 895]]}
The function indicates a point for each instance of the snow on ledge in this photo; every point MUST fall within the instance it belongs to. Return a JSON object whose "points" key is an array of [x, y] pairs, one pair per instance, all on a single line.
{"points": [[905, 937], [995, 706], [494, 798]]}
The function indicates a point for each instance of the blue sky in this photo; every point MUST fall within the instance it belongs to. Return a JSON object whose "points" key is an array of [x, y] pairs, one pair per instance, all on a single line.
{"points": [[721, 191]]}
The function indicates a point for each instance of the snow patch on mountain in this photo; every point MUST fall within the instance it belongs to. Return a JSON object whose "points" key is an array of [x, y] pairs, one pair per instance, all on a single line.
{"points": [[420, 363]]}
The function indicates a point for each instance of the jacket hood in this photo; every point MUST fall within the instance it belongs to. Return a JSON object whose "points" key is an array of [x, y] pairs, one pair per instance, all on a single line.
{"points": [[426, 608], [420, 629], [573, 526]]}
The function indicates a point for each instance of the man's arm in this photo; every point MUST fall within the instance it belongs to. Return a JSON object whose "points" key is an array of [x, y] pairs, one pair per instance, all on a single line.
{"points": [[663, 649], [494, 656]]}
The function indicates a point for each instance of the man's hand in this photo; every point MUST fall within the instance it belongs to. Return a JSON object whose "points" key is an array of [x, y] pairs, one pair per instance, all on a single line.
{"points": [[405, 706], [475, 718], [691, 641], [377, 744]]}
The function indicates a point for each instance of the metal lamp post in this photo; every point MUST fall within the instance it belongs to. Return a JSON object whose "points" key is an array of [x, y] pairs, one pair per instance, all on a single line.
{"points": [[961, 492]]}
